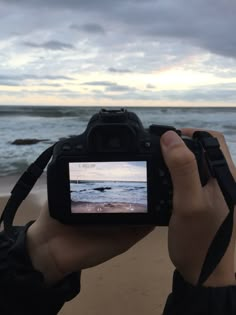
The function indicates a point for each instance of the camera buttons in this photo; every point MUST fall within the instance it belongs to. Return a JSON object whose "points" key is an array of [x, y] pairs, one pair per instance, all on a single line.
{"points": [[79, 147], [66, 147], [146, 144]]}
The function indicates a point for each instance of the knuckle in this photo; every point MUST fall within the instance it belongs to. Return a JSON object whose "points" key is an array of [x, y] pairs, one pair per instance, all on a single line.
{"points": [[184, 163], [182, 157]]}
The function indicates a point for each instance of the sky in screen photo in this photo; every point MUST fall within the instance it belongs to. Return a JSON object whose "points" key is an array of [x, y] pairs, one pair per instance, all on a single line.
{"points": [[125, 53]]}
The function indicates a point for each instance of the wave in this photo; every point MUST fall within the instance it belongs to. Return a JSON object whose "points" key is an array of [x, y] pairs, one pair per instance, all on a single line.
{"points": [[55, 122], [47, 111]]}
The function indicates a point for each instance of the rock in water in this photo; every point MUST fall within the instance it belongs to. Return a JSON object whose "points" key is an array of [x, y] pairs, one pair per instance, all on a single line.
{"points": [[27, 141], [102, 188]]}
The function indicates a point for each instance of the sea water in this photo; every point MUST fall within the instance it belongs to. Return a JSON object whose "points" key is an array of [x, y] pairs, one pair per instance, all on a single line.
{"points": [[51, 123]]}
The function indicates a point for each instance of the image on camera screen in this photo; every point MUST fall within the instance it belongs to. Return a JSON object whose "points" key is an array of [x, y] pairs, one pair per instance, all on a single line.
{"points": [[108, 187]]}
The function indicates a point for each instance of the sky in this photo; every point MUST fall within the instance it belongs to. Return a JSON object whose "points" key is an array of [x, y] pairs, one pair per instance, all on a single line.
{"points": [[118, 52], [109, 171]]}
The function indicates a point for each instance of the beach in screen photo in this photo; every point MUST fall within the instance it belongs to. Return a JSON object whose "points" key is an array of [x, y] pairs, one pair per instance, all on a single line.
{"points": [[108, 187]]}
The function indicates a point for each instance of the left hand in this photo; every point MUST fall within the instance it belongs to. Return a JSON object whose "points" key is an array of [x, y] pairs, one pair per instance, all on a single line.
{"points": [[58, 250]]}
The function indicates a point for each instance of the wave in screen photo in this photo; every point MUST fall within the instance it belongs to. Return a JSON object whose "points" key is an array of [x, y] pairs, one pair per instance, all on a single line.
{"points": [[108, 187]]}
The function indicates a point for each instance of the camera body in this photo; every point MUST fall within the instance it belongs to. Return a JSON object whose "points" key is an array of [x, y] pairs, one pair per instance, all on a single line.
{"points": [[114, 173]]}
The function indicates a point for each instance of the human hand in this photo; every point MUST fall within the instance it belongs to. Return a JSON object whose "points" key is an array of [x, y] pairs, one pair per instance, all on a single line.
{"points": [[197, 214], [58, 250]]}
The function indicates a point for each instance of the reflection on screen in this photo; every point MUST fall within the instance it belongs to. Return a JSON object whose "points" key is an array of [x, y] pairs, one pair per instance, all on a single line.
{"points": [[108, 187]]}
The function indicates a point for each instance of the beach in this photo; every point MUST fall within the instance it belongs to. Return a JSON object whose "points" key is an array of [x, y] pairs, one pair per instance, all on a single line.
{"points": [[101, 207], [134, 283]]}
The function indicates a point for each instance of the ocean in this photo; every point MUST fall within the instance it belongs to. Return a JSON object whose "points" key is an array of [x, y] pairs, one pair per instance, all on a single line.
{"points": [[51, 123], [115, 191]]}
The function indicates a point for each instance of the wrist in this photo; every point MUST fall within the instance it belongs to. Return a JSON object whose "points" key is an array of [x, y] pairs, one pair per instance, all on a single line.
{"points": [[219, 278], [41, 257], [223, 275]]}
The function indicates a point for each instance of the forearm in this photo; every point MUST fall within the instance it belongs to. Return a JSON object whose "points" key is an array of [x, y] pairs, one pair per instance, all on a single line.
{"points": [[22, 288], [41, 257]]}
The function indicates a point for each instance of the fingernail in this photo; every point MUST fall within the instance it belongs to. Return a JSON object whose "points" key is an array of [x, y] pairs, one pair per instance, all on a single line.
{"points": [[170, 138]]}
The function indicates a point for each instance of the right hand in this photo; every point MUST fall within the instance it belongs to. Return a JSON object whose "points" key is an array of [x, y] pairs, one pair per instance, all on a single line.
{"points": [[197, 214]]}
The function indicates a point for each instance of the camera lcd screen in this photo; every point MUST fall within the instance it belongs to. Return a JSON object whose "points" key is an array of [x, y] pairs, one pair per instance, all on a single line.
{"points": [[108, 187]]}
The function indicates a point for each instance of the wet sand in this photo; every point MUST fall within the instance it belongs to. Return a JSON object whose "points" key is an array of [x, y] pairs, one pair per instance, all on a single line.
{"points": [[108, 207], [134, 283]]}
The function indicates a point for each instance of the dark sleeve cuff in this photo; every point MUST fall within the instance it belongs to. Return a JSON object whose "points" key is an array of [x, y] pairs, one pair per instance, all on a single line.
{"points": [[198, 300], [22, 288]]}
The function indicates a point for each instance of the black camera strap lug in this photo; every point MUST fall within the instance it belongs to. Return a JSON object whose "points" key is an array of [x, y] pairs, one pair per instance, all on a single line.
{"points": [[219, 169]]}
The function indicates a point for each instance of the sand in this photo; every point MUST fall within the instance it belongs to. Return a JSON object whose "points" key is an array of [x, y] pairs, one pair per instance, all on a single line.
{"points": [[134, 283], [107, 207]]}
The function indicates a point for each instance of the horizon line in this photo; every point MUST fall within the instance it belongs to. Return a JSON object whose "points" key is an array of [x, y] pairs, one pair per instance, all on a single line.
{"points": [[124, 106]]}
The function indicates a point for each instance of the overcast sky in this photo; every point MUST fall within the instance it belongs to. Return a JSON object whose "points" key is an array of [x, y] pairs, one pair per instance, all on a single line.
{"points": [[110, 52], [109, 171]]}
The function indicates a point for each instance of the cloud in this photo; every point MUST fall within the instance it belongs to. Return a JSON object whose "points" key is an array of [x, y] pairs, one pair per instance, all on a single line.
{"points": [[214, 93], [109, 86], [31, 80], [50, 45], [119, 88], [24, 77], [90, 28], [118, 46], [8, 83], [198, 23], [114, 70], [150, 86], [98, 83], [50, 84], [121, 92]]}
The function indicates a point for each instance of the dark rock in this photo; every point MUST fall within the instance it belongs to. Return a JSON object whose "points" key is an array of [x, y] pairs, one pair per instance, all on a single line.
{"points": [[102, 188], [110, 205], [28, 141]]}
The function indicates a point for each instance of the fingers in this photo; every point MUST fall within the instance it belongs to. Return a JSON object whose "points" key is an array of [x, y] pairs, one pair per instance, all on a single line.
{"points": [[182, 165]]}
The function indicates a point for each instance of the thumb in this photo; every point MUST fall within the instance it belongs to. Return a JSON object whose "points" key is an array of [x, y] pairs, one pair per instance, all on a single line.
{"points": [[183, 169]]}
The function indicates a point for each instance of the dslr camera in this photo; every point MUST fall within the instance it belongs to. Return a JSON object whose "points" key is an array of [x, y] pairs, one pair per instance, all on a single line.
{"points": [[114, 173]]}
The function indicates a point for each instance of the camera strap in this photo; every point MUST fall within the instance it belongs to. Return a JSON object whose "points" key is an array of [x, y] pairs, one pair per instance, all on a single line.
{"points": [[22, 188], [219, 170]]}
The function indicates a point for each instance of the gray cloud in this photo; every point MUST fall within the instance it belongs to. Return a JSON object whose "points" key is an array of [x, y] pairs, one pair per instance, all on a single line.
{"points": [[90, 28], [8, 83], [110, 86], [99, 83], [50, 84], [193, 95], [50, 45], [150, 86], [50, 77], [198, 23], [25, 77], [115, 70], [119, 92], [119, 88]]}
